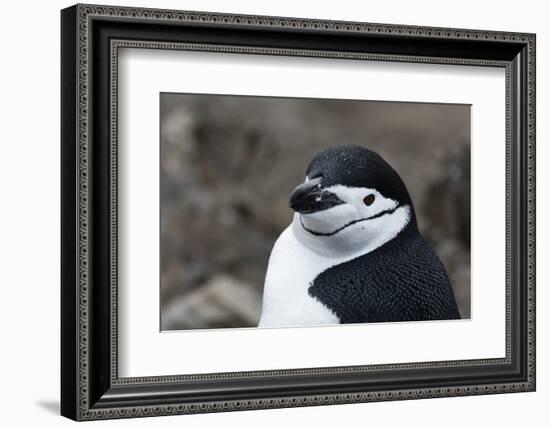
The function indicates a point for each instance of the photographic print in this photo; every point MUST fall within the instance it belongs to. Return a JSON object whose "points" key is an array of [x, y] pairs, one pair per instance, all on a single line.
{"points": [[291, 212]]}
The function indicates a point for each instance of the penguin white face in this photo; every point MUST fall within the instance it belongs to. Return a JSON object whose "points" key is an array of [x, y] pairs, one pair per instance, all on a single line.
{"points": [[338, 219], [358, 205], [363, 221]]}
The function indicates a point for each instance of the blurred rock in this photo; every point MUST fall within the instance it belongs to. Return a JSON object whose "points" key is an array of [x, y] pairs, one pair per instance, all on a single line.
{"points": [[220, 302], [446, 208]]}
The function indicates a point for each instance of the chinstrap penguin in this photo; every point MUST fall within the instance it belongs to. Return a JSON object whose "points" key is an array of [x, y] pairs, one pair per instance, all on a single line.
{"points": [[353, 252]]}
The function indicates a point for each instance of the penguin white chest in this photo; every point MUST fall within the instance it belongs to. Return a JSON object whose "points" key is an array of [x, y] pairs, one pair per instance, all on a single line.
{"points": [[291, 270]]}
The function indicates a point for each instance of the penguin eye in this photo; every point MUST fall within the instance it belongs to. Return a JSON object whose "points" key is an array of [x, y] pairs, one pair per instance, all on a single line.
{"points": [[369, 199]]}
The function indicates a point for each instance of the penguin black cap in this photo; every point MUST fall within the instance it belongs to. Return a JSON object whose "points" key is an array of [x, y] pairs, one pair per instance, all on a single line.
{"points": [[351, 166], [355, 166]]}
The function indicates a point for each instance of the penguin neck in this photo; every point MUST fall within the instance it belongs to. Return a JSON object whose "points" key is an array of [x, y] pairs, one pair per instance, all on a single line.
{"points": [[358, 239]]}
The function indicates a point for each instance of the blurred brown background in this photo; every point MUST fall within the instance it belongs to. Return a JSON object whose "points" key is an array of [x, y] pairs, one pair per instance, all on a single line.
{"points": [[229, 164]]}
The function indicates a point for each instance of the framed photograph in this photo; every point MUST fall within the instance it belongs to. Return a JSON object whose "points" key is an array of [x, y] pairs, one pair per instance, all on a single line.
{"points": [[263, 212]]}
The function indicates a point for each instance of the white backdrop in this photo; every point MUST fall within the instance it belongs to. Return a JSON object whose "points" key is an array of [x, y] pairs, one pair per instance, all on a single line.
{"points": [[146, 352], [29, 225]]}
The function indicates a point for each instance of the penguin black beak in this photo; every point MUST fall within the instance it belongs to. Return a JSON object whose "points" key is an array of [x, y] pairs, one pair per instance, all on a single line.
{"points": [[309, 197]]}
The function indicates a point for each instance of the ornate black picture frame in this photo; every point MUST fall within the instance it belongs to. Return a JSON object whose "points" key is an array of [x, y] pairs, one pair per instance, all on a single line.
{"points": [[90, 385]]}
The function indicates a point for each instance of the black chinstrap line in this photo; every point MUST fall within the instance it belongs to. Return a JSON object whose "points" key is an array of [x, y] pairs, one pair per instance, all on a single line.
{"points": [[353, 222]]}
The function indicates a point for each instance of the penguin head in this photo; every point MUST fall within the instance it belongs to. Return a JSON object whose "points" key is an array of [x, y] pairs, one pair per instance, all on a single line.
{"points": [[352, 200]]}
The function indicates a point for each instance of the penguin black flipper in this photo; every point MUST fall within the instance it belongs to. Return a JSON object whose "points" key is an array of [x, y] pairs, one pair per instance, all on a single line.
{"points": [[403, 280]]}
